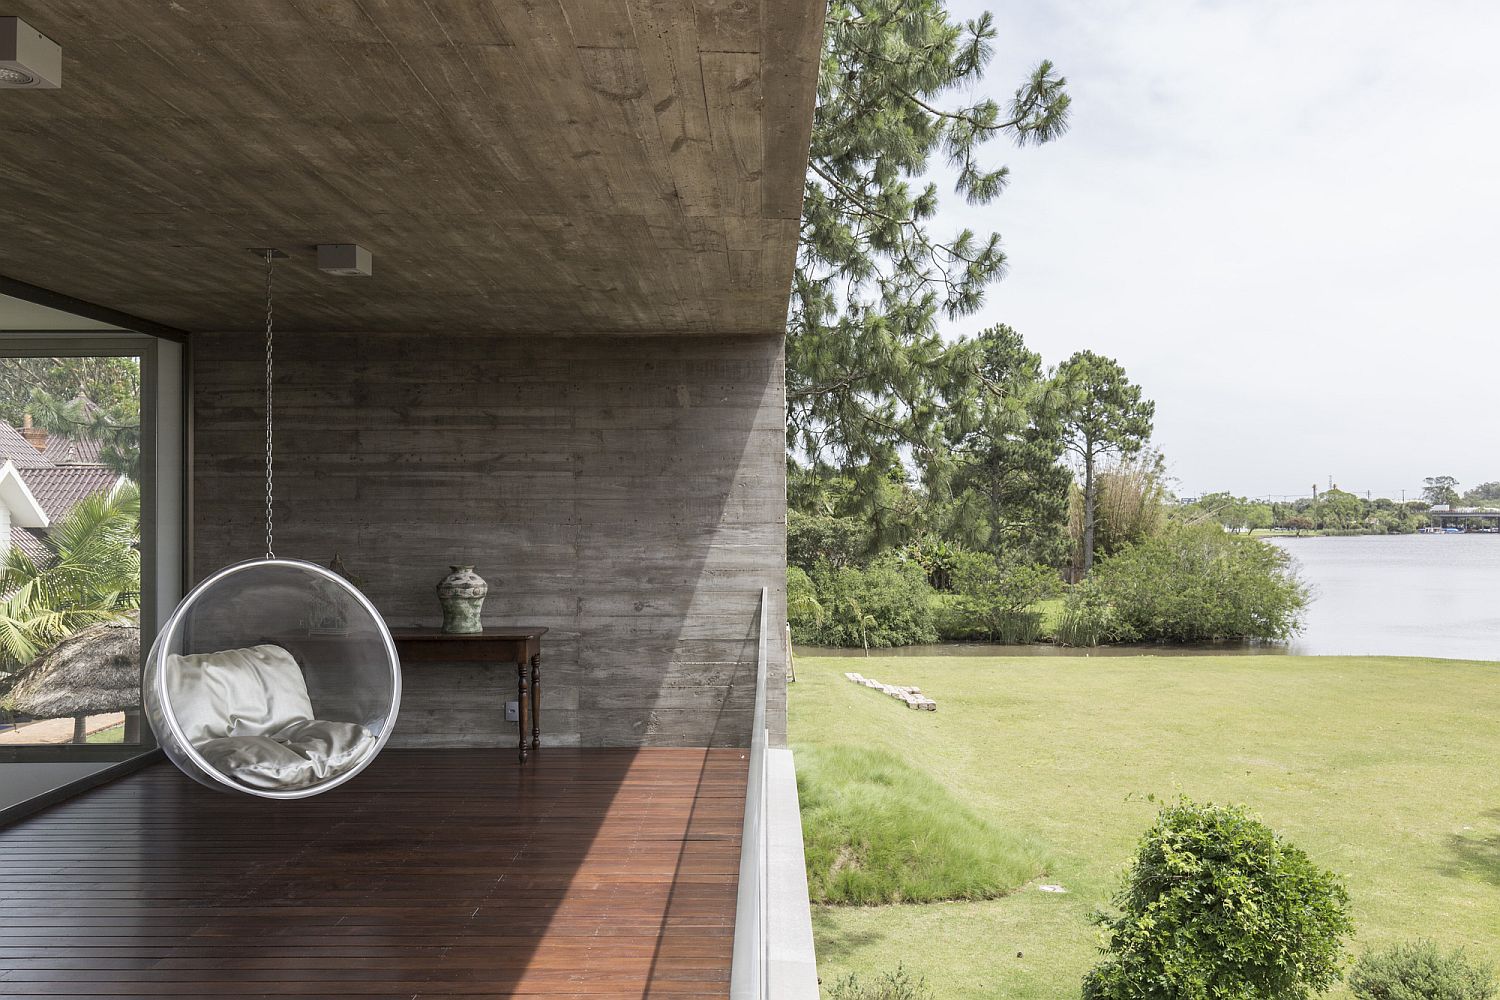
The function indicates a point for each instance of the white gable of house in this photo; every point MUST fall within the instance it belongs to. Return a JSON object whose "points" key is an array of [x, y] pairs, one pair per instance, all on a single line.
{"points": [[21, 508]]}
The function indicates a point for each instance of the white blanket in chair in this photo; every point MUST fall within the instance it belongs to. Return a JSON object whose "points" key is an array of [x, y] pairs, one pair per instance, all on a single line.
{"points": [[247, 712]]}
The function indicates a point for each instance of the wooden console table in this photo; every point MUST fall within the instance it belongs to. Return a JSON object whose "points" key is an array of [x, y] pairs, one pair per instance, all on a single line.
{"points": [[518, 644]]}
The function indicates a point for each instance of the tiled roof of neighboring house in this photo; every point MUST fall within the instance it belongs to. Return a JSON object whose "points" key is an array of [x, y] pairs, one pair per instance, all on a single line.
{"points": [[19, 450], [58, 489], [29, 541], [58, 477], [63, 451]]}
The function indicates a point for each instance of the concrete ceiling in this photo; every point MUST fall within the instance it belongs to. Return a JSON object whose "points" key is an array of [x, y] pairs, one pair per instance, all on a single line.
{"points": [[551, 165]]}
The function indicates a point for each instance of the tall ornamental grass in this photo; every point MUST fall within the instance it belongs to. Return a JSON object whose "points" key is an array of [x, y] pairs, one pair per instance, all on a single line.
{"points": [[877, 830]]}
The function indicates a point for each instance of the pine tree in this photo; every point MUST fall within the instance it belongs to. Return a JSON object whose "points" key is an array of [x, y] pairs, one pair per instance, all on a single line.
{"points": [[1009, 484], [866, 367], [1104, 414]]}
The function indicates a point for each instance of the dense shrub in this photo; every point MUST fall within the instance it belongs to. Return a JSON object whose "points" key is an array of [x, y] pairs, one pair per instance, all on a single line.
{"points": [[887, 604], [953, 618], [960, 618], [804, 612], [1087, 618], [1419, 971], [995, 602], [898, 985], [1196, 583], [878, 830], [1020, 588], [1216, 906], [815, 538]]}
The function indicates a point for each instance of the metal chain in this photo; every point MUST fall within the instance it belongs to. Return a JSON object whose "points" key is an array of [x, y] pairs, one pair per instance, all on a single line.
{"points": [[270, 493]]}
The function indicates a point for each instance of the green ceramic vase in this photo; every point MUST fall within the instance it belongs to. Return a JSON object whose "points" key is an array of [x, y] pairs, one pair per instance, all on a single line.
{"points": [[461, 593]]}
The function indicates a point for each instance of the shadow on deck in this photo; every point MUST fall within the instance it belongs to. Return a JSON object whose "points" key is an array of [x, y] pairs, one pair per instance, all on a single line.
{"points": [[603, 874]]}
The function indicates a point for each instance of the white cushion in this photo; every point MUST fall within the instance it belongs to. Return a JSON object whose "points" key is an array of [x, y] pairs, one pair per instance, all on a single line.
{"points": [[299, 755], [236, 692], [246, 711]]}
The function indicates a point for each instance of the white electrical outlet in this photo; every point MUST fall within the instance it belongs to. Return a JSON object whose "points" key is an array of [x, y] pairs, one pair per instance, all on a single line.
{"points": [[512, 711]]}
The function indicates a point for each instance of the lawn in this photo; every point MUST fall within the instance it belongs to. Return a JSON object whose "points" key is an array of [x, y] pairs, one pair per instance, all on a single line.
{"points": [[1383, 769]]}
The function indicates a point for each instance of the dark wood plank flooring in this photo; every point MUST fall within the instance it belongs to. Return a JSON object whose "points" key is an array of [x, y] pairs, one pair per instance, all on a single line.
{"points": [[599, 874]]}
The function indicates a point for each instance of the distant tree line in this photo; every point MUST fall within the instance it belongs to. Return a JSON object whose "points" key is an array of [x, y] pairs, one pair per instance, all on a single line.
{"points": [[1336, 511], [1332, 511]]}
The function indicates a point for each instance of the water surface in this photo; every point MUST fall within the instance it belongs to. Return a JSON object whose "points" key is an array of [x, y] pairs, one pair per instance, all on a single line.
{"points": [[1402, 595]]}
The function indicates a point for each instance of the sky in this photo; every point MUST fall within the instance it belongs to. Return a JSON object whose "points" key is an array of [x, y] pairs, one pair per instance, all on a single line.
{"points": [[1282, 218]]}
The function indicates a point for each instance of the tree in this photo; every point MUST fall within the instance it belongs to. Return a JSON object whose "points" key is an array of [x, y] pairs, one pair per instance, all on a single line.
{"points": [[109, 381], [1216, 905], [93, 576], [1337, 510], [85, 397], [1484, 493], [1008, 480], [1225, 508], [1440, 490], [1258, 517], [1102, 413], [865, 362], [804, 612], [117, 429], [886, 604], [888, 509], [839, 541]]}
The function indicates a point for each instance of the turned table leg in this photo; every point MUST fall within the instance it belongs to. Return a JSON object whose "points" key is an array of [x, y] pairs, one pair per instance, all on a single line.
{"points": [[523, 708]]}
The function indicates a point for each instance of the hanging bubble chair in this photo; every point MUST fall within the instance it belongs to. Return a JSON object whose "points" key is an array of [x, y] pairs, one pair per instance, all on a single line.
{"points": [[274, 677]]}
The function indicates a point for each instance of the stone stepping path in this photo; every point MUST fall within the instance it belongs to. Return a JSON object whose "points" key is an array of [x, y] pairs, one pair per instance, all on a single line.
{"points": [[912, 697]]}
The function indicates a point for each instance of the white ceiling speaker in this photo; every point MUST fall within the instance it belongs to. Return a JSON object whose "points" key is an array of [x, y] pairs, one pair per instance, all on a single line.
{"points": [[348, 259], [28, 58]]}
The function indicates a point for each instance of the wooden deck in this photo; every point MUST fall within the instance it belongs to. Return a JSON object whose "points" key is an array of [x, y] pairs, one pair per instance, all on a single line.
{"points": [[599, 874]]}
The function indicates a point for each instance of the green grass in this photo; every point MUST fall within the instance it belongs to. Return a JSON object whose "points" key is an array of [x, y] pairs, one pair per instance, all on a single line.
{"points": [[877, 831], [1383, 769], [114, 734]]}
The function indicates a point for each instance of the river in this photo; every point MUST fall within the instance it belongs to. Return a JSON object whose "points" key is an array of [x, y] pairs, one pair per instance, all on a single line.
{"points": [[1403, 595], [1394, 595]]}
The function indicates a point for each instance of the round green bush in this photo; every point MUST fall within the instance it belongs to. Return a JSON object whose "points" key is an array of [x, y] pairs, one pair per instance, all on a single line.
{"points": [[1216, 906]]}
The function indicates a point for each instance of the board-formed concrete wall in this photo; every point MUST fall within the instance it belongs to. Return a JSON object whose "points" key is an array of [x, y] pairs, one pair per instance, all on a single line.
{"points": [[626, 492]]}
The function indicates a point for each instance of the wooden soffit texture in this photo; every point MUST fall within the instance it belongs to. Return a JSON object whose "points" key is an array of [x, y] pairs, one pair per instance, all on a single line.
{"points": [[629, 166]]}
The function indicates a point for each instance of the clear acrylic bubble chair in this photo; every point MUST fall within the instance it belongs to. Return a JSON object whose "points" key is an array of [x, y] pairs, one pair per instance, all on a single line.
{"points": [[273, 677]]}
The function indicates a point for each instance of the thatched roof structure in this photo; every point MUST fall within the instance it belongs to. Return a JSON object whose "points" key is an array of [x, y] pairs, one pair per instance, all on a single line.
{"points": [[94, 670]]}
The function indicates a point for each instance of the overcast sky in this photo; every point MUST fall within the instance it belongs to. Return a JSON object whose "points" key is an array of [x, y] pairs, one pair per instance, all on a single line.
{"points": [[1281, 217]]}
